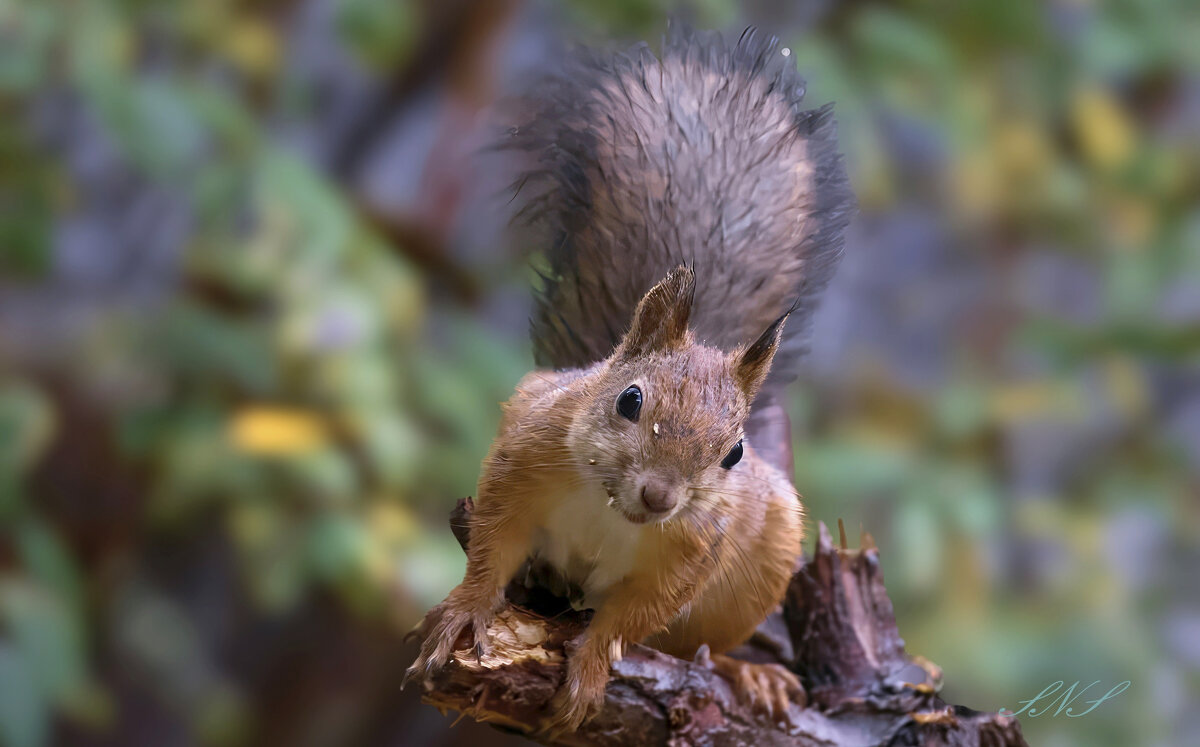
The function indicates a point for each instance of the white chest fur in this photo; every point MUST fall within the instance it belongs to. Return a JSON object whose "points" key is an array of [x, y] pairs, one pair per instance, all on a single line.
{"points": [[592, 544]]}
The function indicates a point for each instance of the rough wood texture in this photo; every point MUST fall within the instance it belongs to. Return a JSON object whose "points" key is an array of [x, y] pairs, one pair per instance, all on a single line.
{"points": [[836, 629]]}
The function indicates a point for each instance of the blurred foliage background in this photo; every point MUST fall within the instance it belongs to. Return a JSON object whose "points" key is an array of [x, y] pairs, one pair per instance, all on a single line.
{"points": [[256, 318]]}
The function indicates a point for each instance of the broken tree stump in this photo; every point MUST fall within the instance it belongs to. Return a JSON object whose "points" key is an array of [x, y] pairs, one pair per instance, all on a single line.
{"points": [[836, 629]]}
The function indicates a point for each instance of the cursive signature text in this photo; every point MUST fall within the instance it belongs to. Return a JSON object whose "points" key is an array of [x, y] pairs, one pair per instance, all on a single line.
{"points": [[1054, 693]]}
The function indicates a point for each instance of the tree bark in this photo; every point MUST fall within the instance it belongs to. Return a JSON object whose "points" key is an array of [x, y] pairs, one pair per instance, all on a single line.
{"points": [[836, 629]]}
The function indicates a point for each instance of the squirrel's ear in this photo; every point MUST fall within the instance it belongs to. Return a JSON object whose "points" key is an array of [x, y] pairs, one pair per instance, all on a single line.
{"points": [[661, 319], [754, 363]]}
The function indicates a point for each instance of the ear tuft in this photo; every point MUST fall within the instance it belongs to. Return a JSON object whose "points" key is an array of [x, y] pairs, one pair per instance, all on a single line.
{"points": [[661, 319], [754, 363]]}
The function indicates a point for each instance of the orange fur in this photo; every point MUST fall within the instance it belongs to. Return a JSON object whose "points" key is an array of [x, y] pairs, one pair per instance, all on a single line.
{"points": [[561, 482]]}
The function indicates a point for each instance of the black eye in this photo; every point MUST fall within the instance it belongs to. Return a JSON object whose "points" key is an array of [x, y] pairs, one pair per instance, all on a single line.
{"points": [[629, 404], [733, 457]]}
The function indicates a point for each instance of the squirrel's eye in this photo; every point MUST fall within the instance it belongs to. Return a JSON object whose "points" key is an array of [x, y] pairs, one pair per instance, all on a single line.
{"points": [[629, 404], [733, 457]]}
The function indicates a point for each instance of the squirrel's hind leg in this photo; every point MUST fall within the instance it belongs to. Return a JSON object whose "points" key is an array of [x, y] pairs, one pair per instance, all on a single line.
{"points": [[767, 688]]}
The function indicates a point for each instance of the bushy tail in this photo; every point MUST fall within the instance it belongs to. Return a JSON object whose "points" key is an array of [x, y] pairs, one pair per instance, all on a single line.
{"points": [[703, 157]]}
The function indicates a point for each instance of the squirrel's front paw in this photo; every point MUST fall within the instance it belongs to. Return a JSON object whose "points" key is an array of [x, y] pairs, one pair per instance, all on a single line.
{"points": [[581, 695], [440, 631]]}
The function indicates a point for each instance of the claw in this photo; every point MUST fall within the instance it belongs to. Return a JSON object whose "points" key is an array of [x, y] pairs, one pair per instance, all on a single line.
{"points": [[568, 717], [441, 628], [703, 656], [580, 698], [768, 689], [408, 675]]}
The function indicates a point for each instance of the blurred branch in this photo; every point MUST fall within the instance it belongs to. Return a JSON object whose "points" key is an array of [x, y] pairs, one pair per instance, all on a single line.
{"points": [[458, 52], [425, 247], [841, 639], [458, 44]]}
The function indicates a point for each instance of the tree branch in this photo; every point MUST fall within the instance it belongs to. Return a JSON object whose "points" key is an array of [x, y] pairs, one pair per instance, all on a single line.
{"points": [[836, 630]]}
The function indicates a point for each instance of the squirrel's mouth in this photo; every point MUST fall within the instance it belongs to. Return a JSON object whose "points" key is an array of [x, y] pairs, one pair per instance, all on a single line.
{"points": [[636, 517]]}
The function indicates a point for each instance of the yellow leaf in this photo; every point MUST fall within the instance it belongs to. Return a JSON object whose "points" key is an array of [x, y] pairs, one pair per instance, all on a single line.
{"points": [[976, 182], [1105, 132], [252, 525], [1022, 148], [1126, 385], [392, 522], [1027, 400], [276, 431], [253, 46], [377, 562]]}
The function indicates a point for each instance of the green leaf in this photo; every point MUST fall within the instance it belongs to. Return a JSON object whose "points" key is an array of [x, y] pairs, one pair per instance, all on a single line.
{"points": [[382, 32], [335, 547], [919, 541], [24, 711], [48, 634], [46, 560], [26, 425]]}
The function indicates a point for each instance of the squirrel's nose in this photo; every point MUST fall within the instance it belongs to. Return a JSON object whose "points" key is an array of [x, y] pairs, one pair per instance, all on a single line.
{"points": [[658, 497]]}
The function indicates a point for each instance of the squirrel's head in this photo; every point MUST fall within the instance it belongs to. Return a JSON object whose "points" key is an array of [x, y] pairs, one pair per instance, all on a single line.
{"points": [[666, 414]]}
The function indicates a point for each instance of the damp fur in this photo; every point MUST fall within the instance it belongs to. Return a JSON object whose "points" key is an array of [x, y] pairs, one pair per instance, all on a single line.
{"points": [[704, 156]]}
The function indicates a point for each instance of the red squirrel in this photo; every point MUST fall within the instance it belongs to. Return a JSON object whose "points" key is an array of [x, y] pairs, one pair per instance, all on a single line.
{"points": [[693, 210]]}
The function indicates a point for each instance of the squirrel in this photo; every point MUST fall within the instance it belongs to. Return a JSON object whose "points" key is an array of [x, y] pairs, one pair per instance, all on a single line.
{"points": [[693, 210]]}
